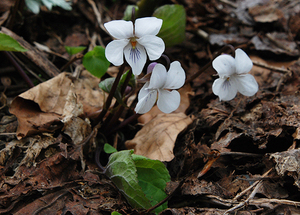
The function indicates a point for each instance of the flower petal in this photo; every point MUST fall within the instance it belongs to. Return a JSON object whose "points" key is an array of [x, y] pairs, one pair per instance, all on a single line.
{"points": [[154, 46], [224, 65], [168, 101], [158, 77], [176, 76], [243, 63], [120, 29], [225, 89], [144, 91], [146, 103], [114, 51], [147, 26], [136, 57], [247, 85]]}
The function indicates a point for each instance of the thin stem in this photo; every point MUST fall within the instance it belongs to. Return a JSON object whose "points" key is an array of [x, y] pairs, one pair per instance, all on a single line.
{"points": [[224, 49], [125, 84], [97, 158], [110, 95], [168, 62], [126, 122], [133, 14], [112, 118], [19, 69]]}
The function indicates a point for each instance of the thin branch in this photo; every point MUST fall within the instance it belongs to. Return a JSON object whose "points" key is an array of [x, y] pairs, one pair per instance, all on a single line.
{"points": [[97, 14], [274, 68], [250, 187], [73, 59]]}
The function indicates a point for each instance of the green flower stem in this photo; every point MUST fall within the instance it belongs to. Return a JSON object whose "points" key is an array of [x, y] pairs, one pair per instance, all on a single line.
{"points": [[110, 95], [226, 48]]}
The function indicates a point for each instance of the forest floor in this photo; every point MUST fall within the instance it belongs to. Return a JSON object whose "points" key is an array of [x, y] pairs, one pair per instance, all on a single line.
{"points": [[246, 149]]}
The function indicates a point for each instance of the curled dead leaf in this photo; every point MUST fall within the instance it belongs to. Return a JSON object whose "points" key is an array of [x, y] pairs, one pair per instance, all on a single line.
{"points": [[288, 162], [156, 139], [60, 97]]}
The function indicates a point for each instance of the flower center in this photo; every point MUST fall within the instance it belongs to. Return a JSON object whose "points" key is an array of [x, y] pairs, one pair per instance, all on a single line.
{"points": [[133, 42]]}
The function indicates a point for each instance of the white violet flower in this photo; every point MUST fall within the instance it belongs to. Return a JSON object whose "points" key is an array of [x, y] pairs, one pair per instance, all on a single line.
{"points": [[162, 84], [134, 41], [234, 77]]}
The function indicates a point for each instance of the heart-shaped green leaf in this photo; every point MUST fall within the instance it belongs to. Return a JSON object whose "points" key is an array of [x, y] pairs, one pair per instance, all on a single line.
{"points": [[122, 172], [173, 27], [153, 177], [95, 61]]}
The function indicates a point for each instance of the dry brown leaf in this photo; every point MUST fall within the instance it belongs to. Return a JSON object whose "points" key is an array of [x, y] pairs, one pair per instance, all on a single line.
{"points": [[77, 129], [185, 93], [288, 162], [60, 97], [156, 139], [31, 119]]}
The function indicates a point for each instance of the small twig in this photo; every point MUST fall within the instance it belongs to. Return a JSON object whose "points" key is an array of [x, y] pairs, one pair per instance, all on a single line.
{"points": [[251, 196], [278, 43], [73, 59], [250, 187], [97, 14], [274, 68], [19, 69], [26, 68], [5, 134], [241, 154], [234, 5]]}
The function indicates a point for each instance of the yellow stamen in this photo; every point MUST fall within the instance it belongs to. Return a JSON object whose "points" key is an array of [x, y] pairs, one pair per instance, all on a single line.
{"points": [[133, 43]]}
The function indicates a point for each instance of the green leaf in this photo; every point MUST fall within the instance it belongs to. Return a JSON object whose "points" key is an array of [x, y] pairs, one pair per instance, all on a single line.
{"points": [[109, 149], [7, 43], [173, 27], [95, 61], [153, 177], [74, 50], [128, 12], [131, 81], [107, 84], [115, 213], [122, 172]]}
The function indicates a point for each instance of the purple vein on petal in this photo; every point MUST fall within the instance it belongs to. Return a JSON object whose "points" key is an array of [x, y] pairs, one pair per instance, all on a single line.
{"points": [[135, 54]]}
